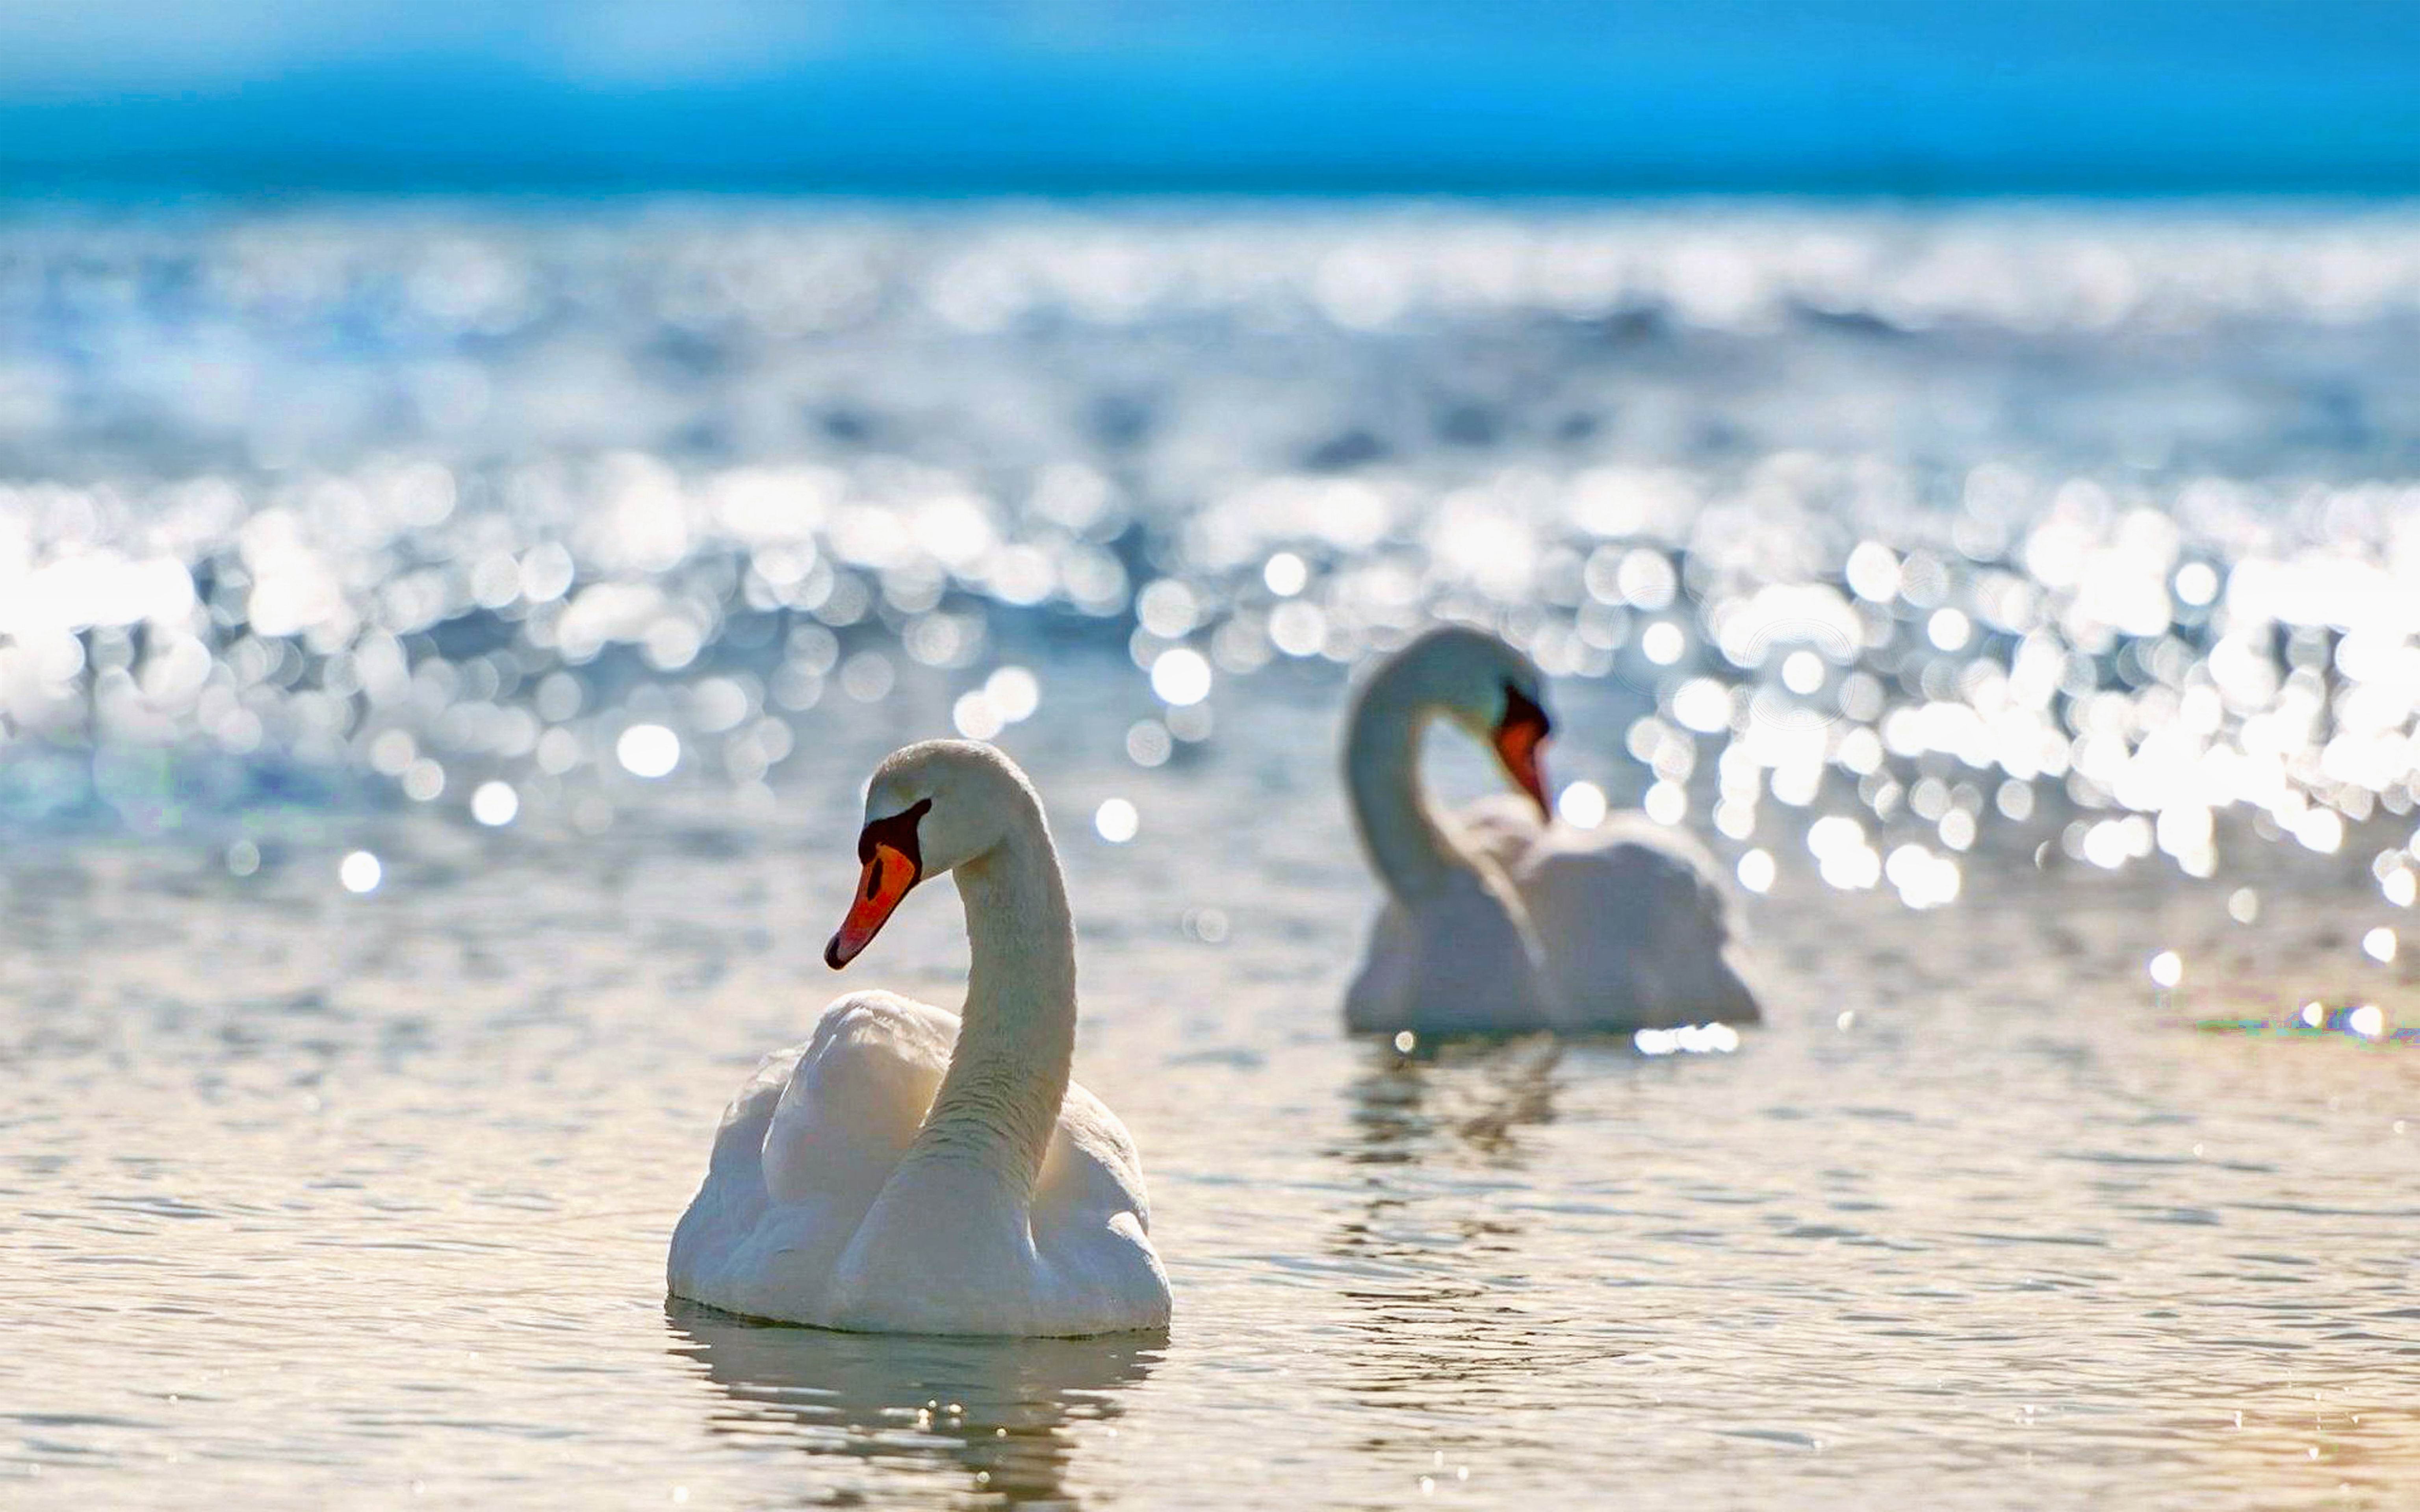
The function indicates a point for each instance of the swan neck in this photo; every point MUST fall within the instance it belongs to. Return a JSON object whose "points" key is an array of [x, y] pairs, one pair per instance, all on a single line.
{"points": [[998, 1100], [1408, 849]]}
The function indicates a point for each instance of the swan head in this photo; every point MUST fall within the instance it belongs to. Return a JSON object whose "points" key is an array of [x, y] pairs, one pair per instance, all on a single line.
{"points": [[1490, 689], [931, 807]]}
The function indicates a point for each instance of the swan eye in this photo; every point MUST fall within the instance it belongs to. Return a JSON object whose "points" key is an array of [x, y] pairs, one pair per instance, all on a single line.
{"points": [[898, 832], [1521, 712]]}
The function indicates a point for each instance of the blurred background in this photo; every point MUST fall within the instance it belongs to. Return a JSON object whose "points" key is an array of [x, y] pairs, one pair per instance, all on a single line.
{"points": [[480, 484], [1083, 96], [369, 371]]}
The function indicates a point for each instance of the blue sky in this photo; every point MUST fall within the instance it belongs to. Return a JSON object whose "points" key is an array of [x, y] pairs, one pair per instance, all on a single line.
{"points": [[1925, 96]]}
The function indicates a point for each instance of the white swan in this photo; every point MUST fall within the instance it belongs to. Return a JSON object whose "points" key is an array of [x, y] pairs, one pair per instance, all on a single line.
{"points": [[913, 1171], [1500, 919]]}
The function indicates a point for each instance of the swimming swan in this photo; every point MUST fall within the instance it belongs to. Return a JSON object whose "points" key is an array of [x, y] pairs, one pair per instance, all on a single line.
{"points": [[909, 1170], [1498, 918]]}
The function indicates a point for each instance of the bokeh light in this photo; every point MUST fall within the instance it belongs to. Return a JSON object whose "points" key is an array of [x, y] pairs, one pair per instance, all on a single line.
{"points": [[494, 804], [2027, 650], [1116, 820], [648, 750]]}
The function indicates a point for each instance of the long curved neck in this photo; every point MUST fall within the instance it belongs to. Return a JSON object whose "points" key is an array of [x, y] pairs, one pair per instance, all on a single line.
{"points": [[998, 1101], [1407, 848]]}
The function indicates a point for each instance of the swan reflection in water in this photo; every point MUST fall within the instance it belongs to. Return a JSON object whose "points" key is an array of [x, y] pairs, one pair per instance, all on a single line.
{"points": [[1475, 1092], [1436, 1267], [881, 1413]]}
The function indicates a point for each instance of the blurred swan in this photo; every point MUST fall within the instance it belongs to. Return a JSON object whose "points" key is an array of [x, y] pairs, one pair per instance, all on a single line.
{"points": [[1500, 919], [910, 1170]]}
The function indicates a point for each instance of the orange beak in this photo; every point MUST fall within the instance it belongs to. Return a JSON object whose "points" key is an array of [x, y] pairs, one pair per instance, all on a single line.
{"points": [[1520, 741], [887, 875]]}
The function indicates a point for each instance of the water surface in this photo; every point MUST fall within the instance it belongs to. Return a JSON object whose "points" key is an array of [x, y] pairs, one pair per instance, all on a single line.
{"points": [[2010, 598]]}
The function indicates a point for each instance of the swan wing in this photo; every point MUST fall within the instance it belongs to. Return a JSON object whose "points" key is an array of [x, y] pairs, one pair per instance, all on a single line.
{"points": [[1092, 1227], [856, 1097], [1092, 1170], [802, 1152], [1500, 827], [1636, 925], [1462, 960], [731, 1201]]}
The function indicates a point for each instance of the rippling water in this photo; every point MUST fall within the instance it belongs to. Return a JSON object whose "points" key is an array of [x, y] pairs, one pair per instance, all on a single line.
{"points": [[438, 648]]}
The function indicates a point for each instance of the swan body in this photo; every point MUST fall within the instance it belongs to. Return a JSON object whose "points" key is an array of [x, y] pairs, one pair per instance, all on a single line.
{"points": [[1499, 918], [911, 1170]]}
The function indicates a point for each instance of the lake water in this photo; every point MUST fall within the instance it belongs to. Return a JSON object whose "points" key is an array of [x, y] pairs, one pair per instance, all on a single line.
{"points": [[2013, 598]]}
